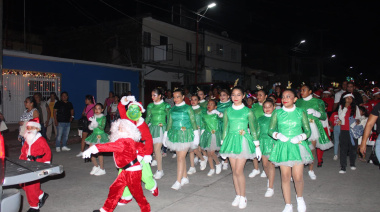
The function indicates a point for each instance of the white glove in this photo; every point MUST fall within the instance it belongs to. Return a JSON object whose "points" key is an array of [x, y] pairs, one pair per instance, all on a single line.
{"points": [[280, 137], [92, 119], [221, 142], [147, 158], [149, 124], [93, 125], [215, 112], [165, 138], [298, 138], [313, 112], [139, 158], [258, 153], [220, 115], [196, 138], [202, 132], [90, 151]]}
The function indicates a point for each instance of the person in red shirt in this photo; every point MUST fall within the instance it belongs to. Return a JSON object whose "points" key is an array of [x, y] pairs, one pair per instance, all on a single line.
{"points": [[329, 101], [366, 103], [376, 97]]}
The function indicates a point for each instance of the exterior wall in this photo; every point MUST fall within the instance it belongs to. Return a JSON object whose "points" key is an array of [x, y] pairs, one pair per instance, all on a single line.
{"points": [[79, 78], [158, 75]]}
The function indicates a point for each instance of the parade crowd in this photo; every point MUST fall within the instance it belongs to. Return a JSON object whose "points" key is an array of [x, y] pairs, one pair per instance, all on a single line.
{"points": [[288, 127]]}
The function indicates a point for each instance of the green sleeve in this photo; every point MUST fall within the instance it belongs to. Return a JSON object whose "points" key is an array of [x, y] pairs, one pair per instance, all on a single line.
{"points": [[102, 123], [258, 129], [305, 124], [192, 118], [322, 110], [170, 122], [202, 123], [252, 125], [167, 108], [148, 114], [273, 124], [225, 124]]}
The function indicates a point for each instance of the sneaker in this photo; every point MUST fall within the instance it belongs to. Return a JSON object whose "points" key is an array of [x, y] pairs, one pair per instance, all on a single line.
{"points": [[353, 168], [291, 180], [218, 168], [192, 170], [80, 154], [342, 170], [158, 174], [58, 149], [236, 201], [155, 192], [301, 205], [254, 173], [176, 185], [269, 192], [211, 172], [65, 148], [312, 175], [335, 157], [164, 154], [224, 165], [42, 200], [184, 181], [174, 155], [33, 210], [203, 164], [100, 172], [94, 170], [124, 202], [196, 160], [288, 208], [263, 174], [243, 202], [154, 163]]}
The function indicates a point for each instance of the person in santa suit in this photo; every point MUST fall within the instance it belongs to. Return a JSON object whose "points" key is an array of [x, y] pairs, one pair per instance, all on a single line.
{"points": [[133, 114], [123, 138], [35, 149]]}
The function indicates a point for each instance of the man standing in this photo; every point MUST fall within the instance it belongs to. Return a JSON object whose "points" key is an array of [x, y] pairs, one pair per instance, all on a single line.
{"points": [[63, 115], [357, 95], [338, 94]]}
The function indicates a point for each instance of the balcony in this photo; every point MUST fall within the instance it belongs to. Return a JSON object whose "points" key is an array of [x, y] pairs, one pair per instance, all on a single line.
{"points": [[158, 53]]}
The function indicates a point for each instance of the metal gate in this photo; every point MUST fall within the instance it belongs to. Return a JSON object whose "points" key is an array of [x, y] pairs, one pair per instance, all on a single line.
{"points": [[18, 85]]}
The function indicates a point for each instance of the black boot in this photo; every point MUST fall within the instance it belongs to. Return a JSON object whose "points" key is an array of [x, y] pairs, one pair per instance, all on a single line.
{"points": [[43, 199], [33, 210], [96, 211]]}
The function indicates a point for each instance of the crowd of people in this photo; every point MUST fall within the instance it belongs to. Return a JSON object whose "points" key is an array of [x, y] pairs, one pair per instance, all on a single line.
{"points": [[284, 127]]}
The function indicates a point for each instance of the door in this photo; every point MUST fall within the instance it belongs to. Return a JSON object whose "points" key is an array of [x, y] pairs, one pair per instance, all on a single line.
{"points": [[149, 86], [102, 91]]}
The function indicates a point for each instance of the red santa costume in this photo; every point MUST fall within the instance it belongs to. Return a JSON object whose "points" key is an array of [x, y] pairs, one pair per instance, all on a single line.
{"points": [[35, 149], [123, 136]]}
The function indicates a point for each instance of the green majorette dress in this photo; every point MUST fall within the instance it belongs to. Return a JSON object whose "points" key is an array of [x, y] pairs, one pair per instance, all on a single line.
{"points": [[203, 103], [98, 136], [221, 107], [291, 123], [266, 141], [182, 128], [317, 132], [156, 119], [237, 142], [257, 109], [198, 112], [211, 136]]}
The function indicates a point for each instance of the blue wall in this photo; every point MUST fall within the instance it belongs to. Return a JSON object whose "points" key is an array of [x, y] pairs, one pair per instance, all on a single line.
{"points": [[77, 79]]}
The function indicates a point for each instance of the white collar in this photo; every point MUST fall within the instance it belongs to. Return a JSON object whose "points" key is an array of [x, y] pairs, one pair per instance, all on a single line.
{"points": [[225, 101], [195, 107], [289, 110], [98, 116], [261, 104], [238, 107], [268, 115], [180, 104], [212, 112], [157, 103], [308, 98], [201, 101]]}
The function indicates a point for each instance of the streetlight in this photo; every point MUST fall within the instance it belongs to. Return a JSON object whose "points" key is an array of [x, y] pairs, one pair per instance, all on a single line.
{"points": [[302, 41], [332, 56], [205, 9]]}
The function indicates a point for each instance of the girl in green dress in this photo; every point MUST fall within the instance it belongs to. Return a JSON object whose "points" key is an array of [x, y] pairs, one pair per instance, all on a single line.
{"points": [[211, 136], [98, 136], [222, 105], [237, 143], [202, 101], [290, 127], [195, 150], [182, 132], [157, 112], [258, 111]]}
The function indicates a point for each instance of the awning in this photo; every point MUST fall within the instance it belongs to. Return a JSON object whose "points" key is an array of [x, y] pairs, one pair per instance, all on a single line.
{"points": [[223, 75], [169, 69]]}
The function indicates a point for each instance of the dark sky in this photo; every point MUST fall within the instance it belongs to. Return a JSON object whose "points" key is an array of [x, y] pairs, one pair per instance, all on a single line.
{"points": [[349, 29]]}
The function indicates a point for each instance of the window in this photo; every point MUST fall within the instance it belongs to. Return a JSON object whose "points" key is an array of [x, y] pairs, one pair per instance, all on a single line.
{"points": [[163, 40], [188, 51], [219, 49], [147, 39], [41, 86], [208, 48], [121, 87], [233, 54]]}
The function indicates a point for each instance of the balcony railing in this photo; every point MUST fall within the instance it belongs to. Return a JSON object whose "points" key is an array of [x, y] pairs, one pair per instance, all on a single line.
{"points": [[158, 53]]}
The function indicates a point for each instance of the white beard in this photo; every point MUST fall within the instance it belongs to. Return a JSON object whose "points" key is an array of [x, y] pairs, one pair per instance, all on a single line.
{"points": [[30, 136], [116, 136]]}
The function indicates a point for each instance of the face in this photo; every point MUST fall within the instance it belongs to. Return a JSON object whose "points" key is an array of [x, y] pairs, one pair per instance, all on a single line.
{"points": [[288, 99], [250, 101], [87, 101], [344, 85], [30, 128], [305, 92], [28, 103], [64, 97], [178, 97], [261, 96], [98, 109], [52, 96], [325, 95], [134, 112], [224, 97], [278, 90], [365, 99], [268, 108], [272, 97], [201, 95], [215, 91], [237, 96], [194, 101], [349, 99], [37, 98], [169, 94], [350, 88], [156, 97], [117, 99], [211, 106], [110, 94]]}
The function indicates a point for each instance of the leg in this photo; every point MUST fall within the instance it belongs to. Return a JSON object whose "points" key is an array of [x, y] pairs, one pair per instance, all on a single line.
{"points": [[126, 193], [33, 191], [240, 163], [255, 164], [343, 142], [59, 136], [93, 159], [320, 156], [49, 128], [65, 134], [101, 160], [297, 172], [313, 152], [158, 155], [377, 147], [147, 176], [83, 142], [198, 153], [270, 171], [234, 176], [215, 158], [286, 173], [191, 156], [210, 159], [181, 165], [336, 139], [133, 182], [353, 152]]}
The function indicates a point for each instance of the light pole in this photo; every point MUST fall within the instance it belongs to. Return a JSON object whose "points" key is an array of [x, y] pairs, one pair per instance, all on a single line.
{"points": [[205, 9]]}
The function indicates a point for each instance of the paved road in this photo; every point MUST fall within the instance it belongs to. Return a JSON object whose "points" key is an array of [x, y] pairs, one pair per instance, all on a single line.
{"points": [[76, 190]]}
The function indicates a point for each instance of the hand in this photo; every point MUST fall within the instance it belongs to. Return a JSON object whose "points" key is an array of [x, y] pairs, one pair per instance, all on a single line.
{"points": [[92, 119], [313, 112], [90, 151], [296, 139], [196, 137], [71, 119], [363, 149], [147, 158], [339, 123], [281, 137], [357, 121], [258, 153], [55, 122], [221, 142], [139, 158], [165, 138], [46, 123]]}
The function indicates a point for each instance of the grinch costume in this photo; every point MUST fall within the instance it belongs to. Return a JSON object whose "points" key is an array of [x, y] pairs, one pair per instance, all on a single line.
{"points": [[156, 115], [98, 136], [211, 135], [290, 127], [257, 109], [266, 141]]}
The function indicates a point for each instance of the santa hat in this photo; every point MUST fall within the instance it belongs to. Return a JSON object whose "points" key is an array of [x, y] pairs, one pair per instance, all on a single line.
{"points": [[317, 93], [34, 123], [138, 104], [330, 88], [327, 92], [376, 91]]}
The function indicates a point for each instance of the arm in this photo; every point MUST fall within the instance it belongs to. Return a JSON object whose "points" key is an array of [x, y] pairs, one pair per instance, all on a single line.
{"points": [[305, 125], [48, 115], [23, 155], [36, 114], [147, 137], [367, 132], [225, 124], [192, 118], [273, 124], [47, 151], [117, 146], [252, 125], [72, 114], [322, 110], [122, 110], [148, 114]]}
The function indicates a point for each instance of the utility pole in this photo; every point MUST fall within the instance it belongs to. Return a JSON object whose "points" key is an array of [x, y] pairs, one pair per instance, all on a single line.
{"points": [[1, 56]]}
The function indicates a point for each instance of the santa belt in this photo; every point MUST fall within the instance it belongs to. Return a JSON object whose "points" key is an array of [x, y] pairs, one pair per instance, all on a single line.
{"points": [[130, 164], [34, 158]]}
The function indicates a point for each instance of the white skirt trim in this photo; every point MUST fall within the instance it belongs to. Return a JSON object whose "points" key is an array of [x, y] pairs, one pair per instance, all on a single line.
{"points": [[324, 146], [213, 146], [244, 154], [314, 132], [159, 139]]}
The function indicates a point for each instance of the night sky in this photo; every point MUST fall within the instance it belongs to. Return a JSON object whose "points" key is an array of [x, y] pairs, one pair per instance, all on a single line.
{"points": [[349, 29]]}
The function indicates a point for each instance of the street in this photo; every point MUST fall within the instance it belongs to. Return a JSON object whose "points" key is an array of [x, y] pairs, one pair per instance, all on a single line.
{"points": [[76, 190]]}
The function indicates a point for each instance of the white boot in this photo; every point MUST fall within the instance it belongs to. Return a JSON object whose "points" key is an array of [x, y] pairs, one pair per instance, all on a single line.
{"points": [[301, 205], [192, 170], [288, 208], [218, 168], [176, 185], [269, 192], [236, 201], [243, 202]]}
